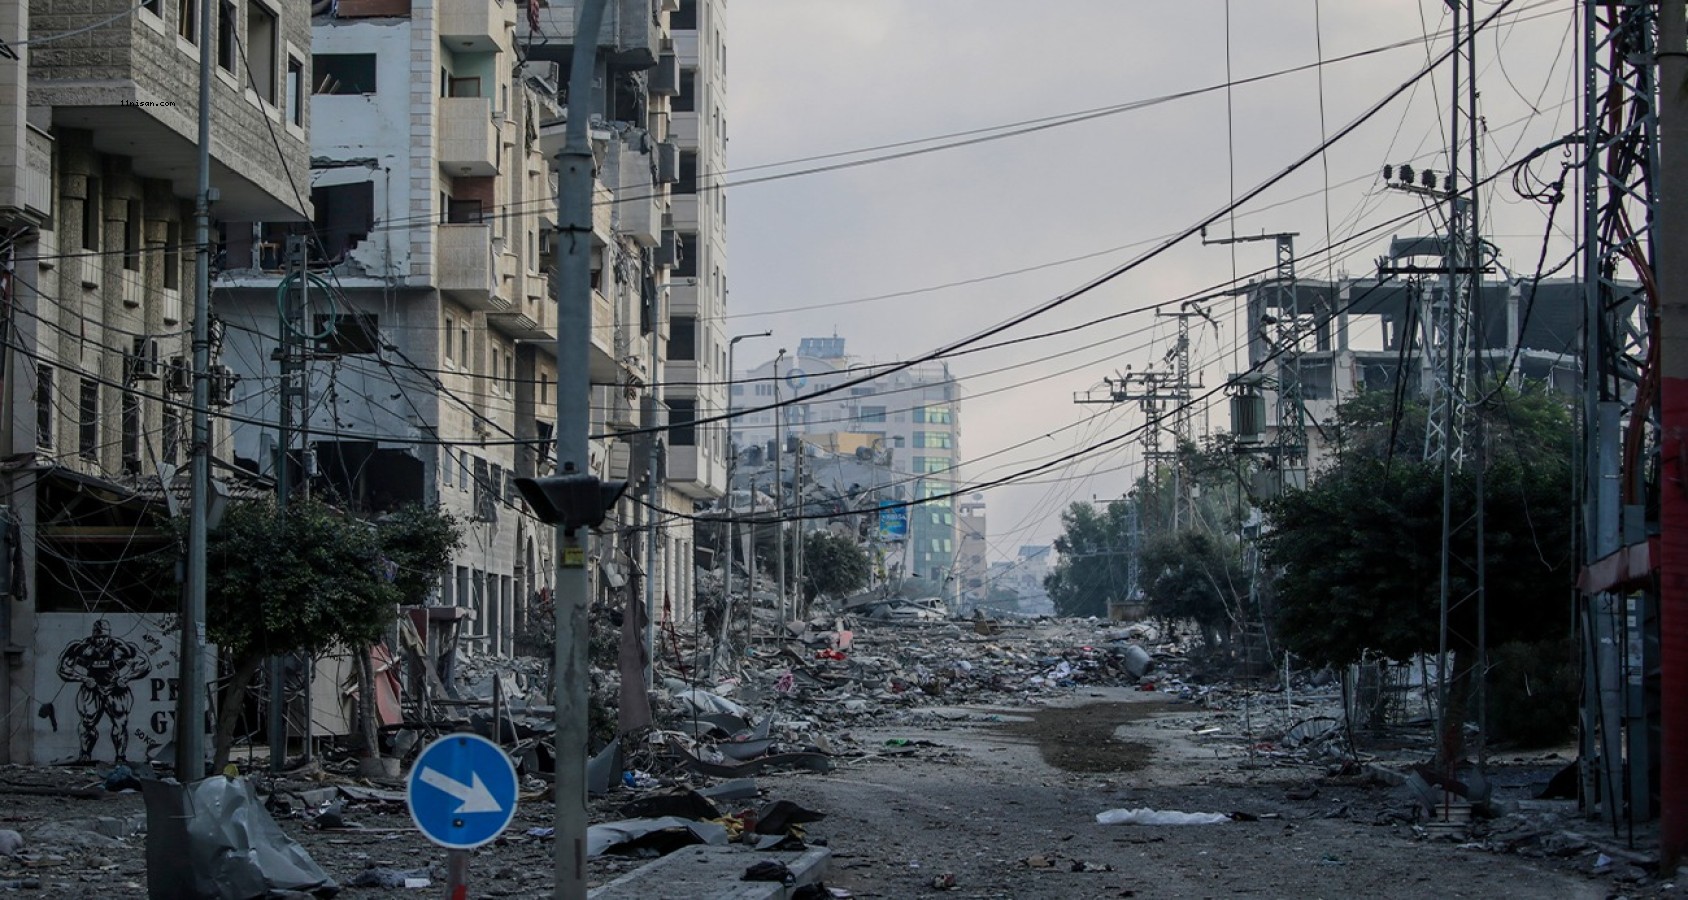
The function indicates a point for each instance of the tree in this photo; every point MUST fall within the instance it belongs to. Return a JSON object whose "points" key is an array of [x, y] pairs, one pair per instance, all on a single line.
{"points": [[1093, 568], [833, 565], [1359, 551], [310, 579], [1197, 576]]}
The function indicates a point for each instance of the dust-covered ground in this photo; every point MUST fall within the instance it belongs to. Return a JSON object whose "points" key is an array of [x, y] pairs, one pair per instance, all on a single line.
{"points": [[989, 797]]}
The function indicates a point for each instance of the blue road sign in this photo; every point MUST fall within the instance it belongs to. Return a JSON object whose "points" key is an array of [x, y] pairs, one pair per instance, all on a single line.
{"points": [[462, 791]]}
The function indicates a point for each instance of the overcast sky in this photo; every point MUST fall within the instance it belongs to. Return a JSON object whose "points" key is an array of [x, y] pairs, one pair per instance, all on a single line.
{"points": [[808, 78]]}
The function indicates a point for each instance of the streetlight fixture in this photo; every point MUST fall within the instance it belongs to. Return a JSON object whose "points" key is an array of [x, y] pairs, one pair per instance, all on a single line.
{"points": [[732, 460]]}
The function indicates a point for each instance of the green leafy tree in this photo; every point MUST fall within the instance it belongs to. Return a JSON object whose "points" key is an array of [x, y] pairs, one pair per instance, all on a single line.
{"points": [[1093, 567], [307, 580], [1197, 576], [833, 565], [1359, 551]]}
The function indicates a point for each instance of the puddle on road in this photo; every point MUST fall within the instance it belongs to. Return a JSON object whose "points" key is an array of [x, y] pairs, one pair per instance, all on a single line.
{"points": [[1081, 738]]}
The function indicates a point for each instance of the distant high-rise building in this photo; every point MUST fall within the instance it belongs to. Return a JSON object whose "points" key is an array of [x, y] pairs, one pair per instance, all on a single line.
{"points": [[910, 418]]}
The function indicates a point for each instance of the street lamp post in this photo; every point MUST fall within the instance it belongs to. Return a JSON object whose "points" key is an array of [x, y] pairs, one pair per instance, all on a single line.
{"points": [[732, 461]]}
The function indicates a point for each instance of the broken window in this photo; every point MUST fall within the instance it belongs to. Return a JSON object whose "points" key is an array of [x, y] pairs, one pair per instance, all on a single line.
{"points": [[684, 18], [343, 73], [346, 333], [345, 214], [686, 100], [687, 266]]}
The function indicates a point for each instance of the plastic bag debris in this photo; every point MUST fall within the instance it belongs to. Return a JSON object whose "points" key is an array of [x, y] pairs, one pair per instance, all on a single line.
{"points": [[213, 839], [1146, 816]]}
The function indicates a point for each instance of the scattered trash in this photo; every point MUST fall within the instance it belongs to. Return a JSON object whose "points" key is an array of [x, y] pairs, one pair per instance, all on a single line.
{"points": [[382, 877], [653, 837], [213, 839], [769, 870], [1148, 816]]}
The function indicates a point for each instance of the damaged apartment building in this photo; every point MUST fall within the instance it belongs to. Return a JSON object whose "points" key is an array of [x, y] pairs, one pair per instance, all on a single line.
{"points": [[429, 319], [98, 155]]}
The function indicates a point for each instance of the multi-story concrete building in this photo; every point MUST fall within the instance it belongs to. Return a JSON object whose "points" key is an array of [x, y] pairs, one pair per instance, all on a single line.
{"points": [[428, 353], [972, 568], [664, 65], [1365, 334], [910, 415], [98, 151]]}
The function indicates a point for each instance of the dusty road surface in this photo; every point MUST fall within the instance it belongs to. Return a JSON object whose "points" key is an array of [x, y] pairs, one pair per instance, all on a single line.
{"points": [[1006, 804], [994, 796]]}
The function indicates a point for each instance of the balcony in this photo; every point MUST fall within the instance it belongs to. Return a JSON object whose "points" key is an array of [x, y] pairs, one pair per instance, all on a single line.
{"points": [[468, 143], [696, 472], [467, 272], [27, 190], [603, 366], [639, 202], [475, 26], [127, 90]]}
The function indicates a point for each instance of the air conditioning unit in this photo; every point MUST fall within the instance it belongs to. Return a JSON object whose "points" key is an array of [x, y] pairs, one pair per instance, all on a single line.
{"points": [[143, 362], [667, 162], [223, 380], [178, 377], [669, 251]]}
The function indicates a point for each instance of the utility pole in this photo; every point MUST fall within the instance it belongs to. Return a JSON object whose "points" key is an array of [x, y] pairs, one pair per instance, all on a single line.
{"points": [[190, 702], [797, 551], [1151, 391], [294, 399], [1673, 333], [570, 672], [1290, 446], [731, 525], [779, 492]]}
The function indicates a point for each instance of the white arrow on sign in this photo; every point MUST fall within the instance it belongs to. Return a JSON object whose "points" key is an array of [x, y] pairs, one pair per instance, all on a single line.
{"points": [[476, 798]]}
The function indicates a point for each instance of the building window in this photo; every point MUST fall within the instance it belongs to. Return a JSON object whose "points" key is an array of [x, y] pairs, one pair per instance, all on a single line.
{"points": [[295, 91], [689, 253], [449, 331], [344, 216], [261, 51], [682, 338], [227, 18], [463, 360], [686, 100], [172, 256], [343, 73], [936, 440], [156, 7], [348, 333], [681, 416], [172, 436], [684, 18], [44, 406], [870, 414], [131, 422], [544, 388], [187, 20], [91, 215], [132, 236], [688, 173], [88, 420]]}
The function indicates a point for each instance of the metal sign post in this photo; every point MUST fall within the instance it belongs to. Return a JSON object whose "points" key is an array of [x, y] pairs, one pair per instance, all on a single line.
{"points": [[461, 794]]}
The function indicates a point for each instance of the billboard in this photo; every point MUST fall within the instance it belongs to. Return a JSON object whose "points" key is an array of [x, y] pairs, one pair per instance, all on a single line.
{"points": [[893, 521]]}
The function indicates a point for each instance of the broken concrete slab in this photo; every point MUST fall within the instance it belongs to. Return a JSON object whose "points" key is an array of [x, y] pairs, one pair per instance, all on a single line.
{"points": [[713, 873]]}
